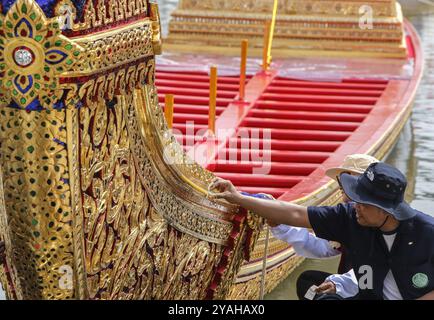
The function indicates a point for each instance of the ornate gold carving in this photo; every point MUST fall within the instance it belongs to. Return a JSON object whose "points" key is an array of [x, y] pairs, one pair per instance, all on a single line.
{"points": [[33, 55], [131, 251], [332, 27], [92, 207], [115, 48], [184, 215], [250, 289], [156, 28], [380, 8], [7, 276], [37, 196], [99, 13], [72, 125]]}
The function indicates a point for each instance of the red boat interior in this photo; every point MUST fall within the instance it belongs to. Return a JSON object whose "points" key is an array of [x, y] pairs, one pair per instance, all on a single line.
{"points": [[288, 126], [307, 121]]}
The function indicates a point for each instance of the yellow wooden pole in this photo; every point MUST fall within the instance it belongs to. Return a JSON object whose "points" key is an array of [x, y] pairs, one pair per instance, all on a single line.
{"points": [[265, 64], [168, 109], [244, 45], [212, 99], [272, 27]]}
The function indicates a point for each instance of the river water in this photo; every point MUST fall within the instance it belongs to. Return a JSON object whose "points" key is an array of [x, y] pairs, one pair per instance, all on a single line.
{"points": [[414, 152]]}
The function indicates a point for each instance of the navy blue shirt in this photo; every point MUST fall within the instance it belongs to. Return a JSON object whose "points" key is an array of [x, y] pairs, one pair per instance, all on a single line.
{"points": [[411, 258]]}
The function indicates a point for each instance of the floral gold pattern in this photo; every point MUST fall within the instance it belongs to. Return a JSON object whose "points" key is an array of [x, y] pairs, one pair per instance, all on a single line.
{"points": [[92, 210], [33, 54]]}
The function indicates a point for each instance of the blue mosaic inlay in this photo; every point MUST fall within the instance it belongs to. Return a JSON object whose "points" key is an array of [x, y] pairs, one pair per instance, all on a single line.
{"points": [[48, 6]]}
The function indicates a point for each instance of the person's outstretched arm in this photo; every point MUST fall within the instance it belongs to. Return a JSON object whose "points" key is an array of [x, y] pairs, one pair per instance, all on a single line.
{"points": [[277, 211], [305, 243]]}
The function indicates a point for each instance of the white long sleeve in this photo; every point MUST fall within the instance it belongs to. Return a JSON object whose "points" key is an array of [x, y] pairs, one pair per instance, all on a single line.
{"points": [[346, 284], [304, 243]]}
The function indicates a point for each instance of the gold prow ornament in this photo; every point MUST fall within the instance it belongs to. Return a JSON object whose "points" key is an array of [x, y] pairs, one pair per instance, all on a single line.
{"points": [[100, 201]]}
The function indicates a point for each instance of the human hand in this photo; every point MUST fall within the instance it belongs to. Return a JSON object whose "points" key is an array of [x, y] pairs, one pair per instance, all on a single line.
{"points": [[226, 190], [326, 287]]}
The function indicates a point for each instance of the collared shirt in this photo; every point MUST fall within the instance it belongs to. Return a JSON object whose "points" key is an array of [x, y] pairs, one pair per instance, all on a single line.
{"points": [[411, 258], [308, 245]]}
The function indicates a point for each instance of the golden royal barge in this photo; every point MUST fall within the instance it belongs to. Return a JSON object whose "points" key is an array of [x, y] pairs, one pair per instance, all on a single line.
{"points": [[100, 195]]}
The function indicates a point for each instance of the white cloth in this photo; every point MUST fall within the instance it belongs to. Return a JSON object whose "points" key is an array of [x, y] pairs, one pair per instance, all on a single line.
{"points": [[390, 288]]}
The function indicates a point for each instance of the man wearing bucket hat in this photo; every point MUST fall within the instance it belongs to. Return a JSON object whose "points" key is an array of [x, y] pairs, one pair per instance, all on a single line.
{"points": [[308, 245], [391, 245]]}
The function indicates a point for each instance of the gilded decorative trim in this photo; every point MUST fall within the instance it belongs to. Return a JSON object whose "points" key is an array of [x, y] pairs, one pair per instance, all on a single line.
{"points": [[132, 251], [384, 8], [250, 289], [11, 283], [99, 13], [79, 272], [34, 160], [178, 212], [333, 27], [115, 48]]}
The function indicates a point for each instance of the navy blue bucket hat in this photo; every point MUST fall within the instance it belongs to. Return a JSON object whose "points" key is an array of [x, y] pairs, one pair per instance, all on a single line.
{"points": [[381, 185]]}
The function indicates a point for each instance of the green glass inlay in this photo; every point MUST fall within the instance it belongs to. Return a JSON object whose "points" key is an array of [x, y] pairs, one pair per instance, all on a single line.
{"points": [[36, 234], [15, 92], [37, 86], [69, 62], [58, 43], [37, 76], [30, 149], [24, 8], [39, 26], [33, 16], [16, 137], [15, 16], [29, 135], [47, 45], [23, 100], [47, 69], [76, 53], [33, 193], [34, 222], [9, 24], [38, 38], [68, 46]]}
